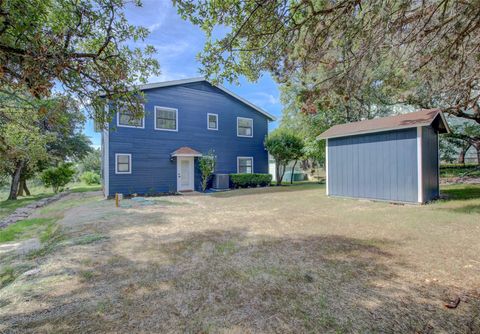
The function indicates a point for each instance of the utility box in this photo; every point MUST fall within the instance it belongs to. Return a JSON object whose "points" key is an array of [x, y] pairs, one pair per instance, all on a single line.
{"points": [[221, 181]]}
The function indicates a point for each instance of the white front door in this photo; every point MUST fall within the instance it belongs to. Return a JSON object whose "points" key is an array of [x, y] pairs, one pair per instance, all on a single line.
{"points": [[185, 175]]}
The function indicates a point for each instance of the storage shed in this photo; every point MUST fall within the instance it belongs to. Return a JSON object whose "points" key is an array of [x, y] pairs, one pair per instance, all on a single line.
{"points": [[392, 158]]}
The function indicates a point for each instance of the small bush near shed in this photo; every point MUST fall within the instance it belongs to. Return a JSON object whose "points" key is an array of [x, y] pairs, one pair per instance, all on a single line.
{"points": [[90, 178], [250, 180]]}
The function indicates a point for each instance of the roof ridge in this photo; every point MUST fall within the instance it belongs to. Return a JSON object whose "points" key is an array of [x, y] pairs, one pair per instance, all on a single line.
{"points": [[422, 117]]}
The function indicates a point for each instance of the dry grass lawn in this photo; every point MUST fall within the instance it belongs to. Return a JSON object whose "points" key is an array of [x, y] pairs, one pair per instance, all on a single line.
{"points": [[274, 260]]}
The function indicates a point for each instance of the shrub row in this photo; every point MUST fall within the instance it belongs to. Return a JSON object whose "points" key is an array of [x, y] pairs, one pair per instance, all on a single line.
{"points": [[250, 180], [465, 166]]}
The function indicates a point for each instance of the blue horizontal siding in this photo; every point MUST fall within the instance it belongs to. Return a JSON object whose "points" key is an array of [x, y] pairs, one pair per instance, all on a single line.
{"points": [[152, 168], [375, 166]]}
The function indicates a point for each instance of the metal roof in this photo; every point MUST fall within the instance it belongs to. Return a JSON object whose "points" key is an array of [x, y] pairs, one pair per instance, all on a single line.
{"points": [[200, 79], [423, 117]]}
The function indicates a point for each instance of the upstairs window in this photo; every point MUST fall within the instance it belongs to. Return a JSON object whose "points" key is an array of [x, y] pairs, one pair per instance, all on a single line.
{"points": [[166, 119], [244, 127], [245, 165], [126, 119], [212, 121], [123, 163]]}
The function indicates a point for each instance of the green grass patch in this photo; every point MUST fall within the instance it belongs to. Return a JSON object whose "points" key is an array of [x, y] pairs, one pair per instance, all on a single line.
{"points": [[88, 239], [26, 228], [457, 170], [227, 247], [7, 276], [51, 239], [8, 206], [81, 188], [461, 191], [86, 275], [61, 206]]}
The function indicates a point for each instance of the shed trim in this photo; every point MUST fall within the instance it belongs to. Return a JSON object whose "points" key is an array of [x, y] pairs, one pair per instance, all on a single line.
{"points": [[419, 165], [326, 166]]}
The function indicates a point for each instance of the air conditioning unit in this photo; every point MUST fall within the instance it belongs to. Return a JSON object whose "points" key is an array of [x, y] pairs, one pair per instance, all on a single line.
{"points": [[221, 181]]}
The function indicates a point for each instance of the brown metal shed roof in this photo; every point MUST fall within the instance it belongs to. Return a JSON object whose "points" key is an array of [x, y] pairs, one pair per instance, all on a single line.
{"points": [[423, 117]]}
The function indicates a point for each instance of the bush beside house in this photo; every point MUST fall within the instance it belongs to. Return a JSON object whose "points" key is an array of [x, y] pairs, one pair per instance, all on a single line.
{"points": [[250, 180]]}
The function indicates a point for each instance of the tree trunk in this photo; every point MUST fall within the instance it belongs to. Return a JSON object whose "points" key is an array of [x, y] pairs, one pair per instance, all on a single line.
{"points": [[293, 169], [20, 188], [15, 181], [27, 191], [463, 152], [277, 173]]}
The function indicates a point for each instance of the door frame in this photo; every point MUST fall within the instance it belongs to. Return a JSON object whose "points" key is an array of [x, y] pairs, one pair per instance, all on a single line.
{"points": [[191, 186]]}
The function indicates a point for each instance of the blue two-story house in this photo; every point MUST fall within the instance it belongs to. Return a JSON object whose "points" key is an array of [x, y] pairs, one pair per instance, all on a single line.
{"points": [[183, 119]]}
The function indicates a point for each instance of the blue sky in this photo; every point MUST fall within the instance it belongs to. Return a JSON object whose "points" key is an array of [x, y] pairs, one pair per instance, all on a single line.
{"points": [[177, 43]]}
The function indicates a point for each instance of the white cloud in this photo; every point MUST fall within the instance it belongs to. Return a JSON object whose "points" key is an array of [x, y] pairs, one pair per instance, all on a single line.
{"points": [[168, 75], [169, 50], [154, 27], [262, 98]]}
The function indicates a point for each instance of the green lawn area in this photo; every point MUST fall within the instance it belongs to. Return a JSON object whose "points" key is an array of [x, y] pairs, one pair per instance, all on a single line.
{"points": [[278, 259], [38, 192], [473, 170]]}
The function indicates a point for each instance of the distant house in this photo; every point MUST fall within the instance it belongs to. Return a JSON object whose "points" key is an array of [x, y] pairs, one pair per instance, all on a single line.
{"points": [[391, 158], [183, 120]]}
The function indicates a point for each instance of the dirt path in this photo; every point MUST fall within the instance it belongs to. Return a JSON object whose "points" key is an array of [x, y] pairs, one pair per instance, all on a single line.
{"points": [[267, 260]]}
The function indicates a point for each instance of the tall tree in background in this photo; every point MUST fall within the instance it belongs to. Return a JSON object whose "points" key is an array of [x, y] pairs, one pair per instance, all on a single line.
{"points": [[80, 45], [31, 141], [431, 47], [285, 146]]}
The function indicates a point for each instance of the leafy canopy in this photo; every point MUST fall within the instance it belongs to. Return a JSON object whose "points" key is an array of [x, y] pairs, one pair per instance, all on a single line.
{"points": [[424, 53], [79, 45]]}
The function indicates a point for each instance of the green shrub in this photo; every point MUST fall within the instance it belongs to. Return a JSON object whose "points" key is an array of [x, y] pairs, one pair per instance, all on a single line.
{"points": [[90, 178], [58, 177], [206, 164], [250, 180]]}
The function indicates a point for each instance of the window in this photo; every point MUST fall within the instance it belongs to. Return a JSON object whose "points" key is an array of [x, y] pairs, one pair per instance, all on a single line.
{"points": [[212, 121], [244, 165], [244, 127], [125, 118], [123, 163], [166, 119]]}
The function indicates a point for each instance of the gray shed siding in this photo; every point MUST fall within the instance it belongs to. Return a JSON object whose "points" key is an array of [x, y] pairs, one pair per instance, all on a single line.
{"points": [[379, 165], [430, 163]]}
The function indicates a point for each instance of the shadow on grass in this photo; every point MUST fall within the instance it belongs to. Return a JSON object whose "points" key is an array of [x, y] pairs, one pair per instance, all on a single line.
{"points": [[221, 281], [460, 192], [469, 209], [300, 186]]}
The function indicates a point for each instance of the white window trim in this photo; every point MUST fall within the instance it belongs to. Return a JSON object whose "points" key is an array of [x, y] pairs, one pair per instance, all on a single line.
{"points": [[132, 126], [165, 108], [238, 165], [250, 119], [208, 121], [116, 163]]}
